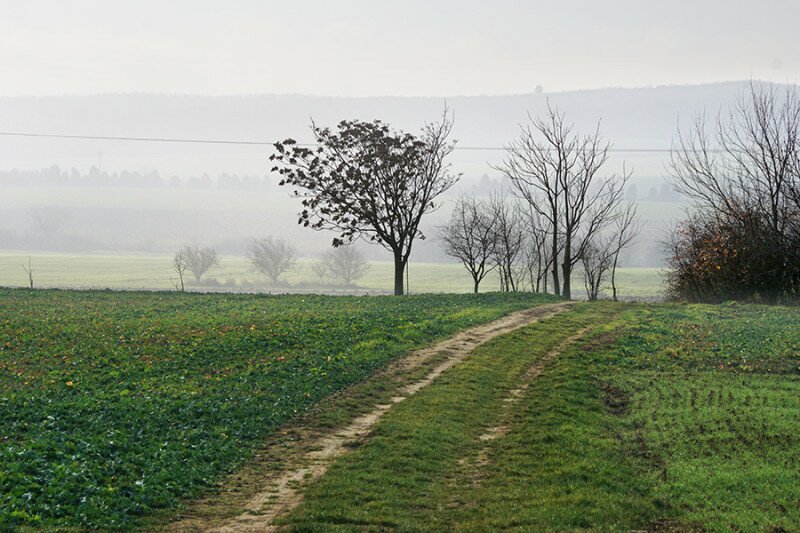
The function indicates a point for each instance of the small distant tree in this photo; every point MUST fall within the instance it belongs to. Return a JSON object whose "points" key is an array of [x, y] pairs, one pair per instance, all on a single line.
{"points": [[601, 254], [272, 257], [48, 221], [180, 265], [470, 238], [365, 180], [345, 264], [29, 271], [509, 237], [538, 255], [625, 230], [596, 260], [320, 269], [200, 260]]}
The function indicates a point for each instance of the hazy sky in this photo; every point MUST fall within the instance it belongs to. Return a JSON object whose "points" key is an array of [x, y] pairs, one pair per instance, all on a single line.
{"points": [[377, 47]]}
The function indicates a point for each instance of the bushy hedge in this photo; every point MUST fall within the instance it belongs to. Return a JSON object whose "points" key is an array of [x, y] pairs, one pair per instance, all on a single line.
{"points": [[715, 258]]}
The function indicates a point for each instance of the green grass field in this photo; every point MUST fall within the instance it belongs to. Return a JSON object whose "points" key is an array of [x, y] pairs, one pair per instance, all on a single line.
{"points": [[661, 418], [153, 272], [116, 404]]}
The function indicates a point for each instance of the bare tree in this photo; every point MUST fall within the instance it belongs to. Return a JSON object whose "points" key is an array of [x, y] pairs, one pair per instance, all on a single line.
{"points": [[48, 221], [345, 264], [180, 265], [469, 236], [557, 171], [742, 174], [29, 270], [748, 159], [509, 236], [200, 260], [272, 257], [596, 259], [320, 269], [367, 180], [590, 203], [626, 228], [534, 164], [601, 253], [538, 254]]}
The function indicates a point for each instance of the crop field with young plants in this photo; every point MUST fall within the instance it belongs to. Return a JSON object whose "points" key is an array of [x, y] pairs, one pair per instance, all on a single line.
{"points": [[114, 404], [119, 409]]}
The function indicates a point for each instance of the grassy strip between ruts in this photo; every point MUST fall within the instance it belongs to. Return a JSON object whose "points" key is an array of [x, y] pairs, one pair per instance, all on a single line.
{"points": [[117, 404], [664, 417]]}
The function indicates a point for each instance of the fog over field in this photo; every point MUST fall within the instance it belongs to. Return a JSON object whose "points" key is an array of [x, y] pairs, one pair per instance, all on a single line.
{"points": [[110, 196], [246, 74]]}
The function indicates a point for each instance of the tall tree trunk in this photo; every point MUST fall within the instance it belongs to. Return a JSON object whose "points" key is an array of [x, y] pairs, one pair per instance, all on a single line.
{"points": [[614, 280], [399, 272], [566, 269], [566, 289], [476, 283], [556, 285]]}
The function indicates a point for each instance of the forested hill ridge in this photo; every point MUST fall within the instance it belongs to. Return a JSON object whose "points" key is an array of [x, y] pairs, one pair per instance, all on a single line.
{"points": [[631, 118]]}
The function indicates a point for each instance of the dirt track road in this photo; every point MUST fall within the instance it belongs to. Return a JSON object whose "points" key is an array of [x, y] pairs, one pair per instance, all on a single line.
{"points": [[310, 456]]}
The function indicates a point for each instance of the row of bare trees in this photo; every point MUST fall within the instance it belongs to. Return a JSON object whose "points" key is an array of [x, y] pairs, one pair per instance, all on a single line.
{"points": [[558, 173], [511, 238], [566, 212], [272, 257]]}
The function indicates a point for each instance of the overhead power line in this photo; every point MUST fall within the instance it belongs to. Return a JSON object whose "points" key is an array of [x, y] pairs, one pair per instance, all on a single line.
{"points": [[140, 139], [265, 143]]}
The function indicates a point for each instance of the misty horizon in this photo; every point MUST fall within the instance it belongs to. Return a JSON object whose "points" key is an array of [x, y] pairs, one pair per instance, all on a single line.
{"points": [[533, 91]]}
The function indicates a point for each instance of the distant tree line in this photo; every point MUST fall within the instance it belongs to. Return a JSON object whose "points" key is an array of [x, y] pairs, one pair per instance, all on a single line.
{"points": [[663, 193], [54, 176]]}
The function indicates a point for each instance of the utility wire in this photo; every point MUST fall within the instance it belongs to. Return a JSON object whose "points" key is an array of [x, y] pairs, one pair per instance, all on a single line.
{"points": [[140, 139], [265, 143]]}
